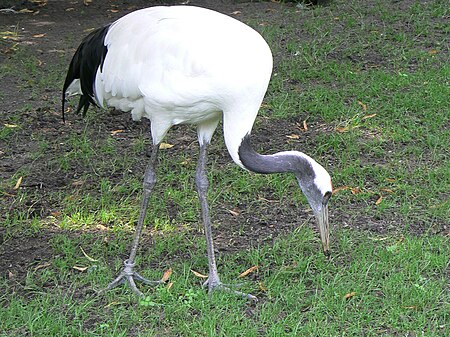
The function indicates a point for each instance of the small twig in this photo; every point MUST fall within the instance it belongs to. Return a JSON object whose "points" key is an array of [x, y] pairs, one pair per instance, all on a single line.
{"points": [[9, 10]]}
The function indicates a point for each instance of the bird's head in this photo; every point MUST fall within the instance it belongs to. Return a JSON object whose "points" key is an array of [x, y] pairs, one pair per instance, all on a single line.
{"points": [[315, 183], [314, 180]]}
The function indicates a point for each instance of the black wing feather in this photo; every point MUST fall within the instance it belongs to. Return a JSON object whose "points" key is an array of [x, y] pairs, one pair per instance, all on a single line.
{"points": [[89, 56]]}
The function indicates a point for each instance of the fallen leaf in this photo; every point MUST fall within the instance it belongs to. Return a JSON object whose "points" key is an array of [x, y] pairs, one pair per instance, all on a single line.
{"points": [[342, 129], [87, 2], [293, 136], [87, 256], [18, 183], [80, 268], [234, 211], [236, 12], [433, 51], [56, 214], [11, 125], [387, 190], [116, 132], [196, 273], [167, 275], [411, 307], [101, 227], [380, 199], [391, 180], [164, 146], [369, 116], [364, 106], [14, 38], [25, 10], [249, 271], [170, 285], [341, 188], [305, 126], [356, 190], [349, 295], [11, 275], [39, 35]]}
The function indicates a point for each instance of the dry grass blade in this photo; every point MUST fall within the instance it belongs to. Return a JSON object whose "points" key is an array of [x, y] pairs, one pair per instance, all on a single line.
{"points": [[87, 256]]}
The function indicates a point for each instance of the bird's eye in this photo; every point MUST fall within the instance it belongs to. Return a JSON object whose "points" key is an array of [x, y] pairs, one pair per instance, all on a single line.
{"points": [[326, 198]]}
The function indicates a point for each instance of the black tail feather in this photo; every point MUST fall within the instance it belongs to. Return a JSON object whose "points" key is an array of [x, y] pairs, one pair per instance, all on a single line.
{"points": [[89, 56]]}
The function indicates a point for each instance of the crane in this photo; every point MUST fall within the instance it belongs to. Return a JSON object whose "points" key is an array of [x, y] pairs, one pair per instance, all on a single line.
{"points": [[189, 65]]}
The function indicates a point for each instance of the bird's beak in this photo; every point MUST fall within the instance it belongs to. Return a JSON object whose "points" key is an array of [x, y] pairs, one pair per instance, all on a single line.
{"points": [[322, 219]]}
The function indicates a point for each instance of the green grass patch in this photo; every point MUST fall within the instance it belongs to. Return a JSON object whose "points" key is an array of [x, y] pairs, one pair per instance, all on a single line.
{"points": [[373, 285]]}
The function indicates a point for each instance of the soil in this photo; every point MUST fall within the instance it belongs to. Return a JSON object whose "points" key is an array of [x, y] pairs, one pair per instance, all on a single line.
{"points": [[64, 23]]}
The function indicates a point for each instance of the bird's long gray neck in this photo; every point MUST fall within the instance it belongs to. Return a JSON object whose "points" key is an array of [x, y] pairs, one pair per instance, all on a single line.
{"points": [[290, 161]]}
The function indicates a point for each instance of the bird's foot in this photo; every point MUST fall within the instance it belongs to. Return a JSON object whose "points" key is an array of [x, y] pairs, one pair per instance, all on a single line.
{"points": [[214, 285], [129, 275]]}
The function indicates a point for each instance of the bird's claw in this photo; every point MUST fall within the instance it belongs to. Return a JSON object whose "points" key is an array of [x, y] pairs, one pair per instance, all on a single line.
{"points": [[129, 275], [217, 285]]}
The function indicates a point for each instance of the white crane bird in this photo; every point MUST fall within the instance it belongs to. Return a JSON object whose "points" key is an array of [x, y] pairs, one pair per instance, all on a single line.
{"points": [[189, 65]]}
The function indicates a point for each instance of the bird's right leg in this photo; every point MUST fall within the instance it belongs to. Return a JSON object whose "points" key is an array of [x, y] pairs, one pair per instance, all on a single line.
{"points": [[128, 274], [213, 281]]}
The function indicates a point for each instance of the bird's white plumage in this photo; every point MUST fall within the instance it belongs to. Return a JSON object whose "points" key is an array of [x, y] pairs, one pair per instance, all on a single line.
{"points": [[186, 64]]}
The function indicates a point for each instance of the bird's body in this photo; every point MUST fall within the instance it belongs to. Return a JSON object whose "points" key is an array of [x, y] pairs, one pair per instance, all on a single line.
{"points": [[189, 65], [182, 73]]}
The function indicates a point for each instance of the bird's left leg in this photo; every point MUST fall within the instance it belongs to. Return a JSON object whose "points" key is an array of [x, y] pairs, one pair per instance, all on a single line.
{"points": [[213, 281], [128, 274]]}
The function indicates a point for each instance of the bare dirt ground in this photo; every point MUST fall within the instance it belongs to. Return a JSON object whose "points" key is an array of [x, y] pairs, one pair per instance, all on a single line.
{"points": [[64, 23]]}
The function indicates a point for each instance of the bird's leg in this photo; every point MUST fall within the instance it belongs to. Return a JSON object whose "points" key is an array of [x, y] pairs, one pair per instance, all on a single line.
{"points": [[128, 274], [202, 182]]}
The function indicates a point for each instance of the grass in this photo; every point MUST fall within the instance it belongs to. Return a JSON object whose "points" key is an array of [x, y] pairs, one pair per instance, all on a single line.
{"points": [[393, 284], [371, 81]]}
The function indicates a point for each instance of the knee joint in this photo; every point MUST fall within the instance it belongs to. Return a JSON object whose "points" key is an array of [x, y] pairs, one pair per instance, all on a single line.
{"points": [[202, 182], [149, 179]]}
